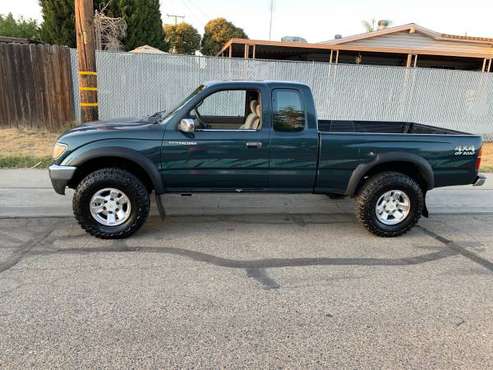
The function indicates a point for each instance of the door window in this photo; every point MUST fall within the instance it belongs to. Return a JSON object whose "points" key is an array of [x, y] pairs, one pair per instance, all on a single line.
{"points": [[229, 110], [288, 112]]}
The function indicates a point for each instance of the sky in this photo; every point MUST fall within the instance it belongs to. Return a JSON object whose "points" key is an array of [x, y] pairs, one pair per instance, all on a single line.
{"points": [[315, 20]]}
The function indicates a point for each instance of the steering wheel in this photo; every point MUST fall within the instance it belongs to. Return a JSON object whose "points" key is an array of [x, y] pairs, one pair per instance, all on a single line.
{"points": [[200, 119]]}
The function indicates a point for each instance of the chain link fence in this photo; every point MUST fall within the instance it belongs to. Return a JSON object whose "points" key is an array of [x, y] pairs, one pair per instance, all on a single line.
{"points": [[131, 85]]}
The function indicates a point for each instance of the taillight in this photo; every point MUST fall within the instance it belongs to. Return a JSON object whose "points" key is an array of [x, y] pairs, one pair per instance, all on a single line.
{"points": [[478, 159]]}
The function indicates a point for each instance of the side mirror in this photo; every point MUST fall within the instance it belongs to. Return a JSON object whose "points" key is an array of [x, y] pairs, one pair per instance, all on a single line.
{"points": [[186, 125]]}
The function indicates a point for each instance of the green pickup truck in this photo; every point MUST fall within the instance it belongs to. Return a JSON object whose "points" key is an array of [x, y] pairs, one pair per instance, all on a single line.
{"points": [[257, 136]]}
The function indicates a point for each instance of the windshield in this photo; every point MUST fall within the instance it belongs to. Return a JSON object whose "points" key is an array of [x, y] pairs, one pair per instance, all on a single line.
{"points": [[184, 101]]}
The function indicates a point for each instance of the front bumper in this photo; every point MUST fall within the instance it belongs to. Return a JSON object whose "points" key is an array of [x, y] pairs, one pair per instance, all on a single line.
{"points": [[60, 176], [480, 180]]}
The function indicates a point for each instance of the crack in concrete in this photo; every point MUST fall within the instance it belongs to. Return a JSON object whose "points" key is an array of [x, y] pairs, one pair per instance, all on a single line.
{"points": [[256, 269], [459, 249], [24, 249], [261, 263]]}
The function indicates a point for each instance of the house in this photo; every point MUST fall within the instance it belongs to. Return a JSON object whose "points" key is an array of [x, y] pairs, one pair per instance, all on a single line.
{"points": [[146, 49], [409, 45]]}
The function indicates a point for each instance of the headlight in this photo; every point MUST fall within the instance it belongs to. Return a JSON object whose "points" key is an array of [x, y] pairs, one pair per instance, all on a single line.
{"points": [[58, 150]]}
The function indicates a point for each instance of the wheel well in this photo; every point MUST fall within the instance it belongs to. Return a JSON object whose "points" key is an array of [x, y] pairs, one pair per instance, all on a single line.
{"points": [[111, 162], [406, 168]]}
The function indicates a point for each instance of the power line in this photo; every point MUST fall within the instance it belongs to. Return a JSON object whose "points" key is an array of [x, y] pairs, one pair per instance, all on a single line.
{"points": [[196, 6], [195, 14]]}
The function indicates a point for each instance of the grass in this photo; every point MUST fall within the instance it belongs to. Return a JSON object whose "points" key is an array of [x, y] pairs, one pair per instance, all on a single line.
{"points": [[29, 148], [24, 161]]}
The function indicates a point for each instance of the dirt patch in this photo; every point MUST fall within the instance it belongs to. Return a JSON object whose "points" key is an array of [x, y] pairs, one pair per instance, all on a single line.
{"points": [[16, 142], [487, 158]]}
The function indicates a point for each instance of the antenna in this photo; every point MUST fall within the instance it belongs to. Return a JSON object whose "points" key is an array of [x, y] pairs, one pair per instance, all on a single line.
{"points": [[176, 17], [270, 22]]}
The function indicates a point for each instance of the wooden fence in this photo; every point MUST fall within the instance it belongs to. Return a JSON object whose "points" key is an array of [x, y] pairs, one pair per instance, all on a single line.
{"points": [[35, 86]]}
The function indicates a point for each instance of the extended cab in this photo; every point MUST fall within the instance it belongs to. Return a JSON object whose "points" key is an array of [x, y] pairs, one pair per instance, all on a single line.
{"points": [[257, 137]]}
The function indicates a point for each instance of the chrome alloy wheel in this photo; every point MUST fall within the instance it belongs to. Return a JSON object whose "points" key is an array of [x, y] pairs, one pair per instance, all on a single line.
{"points": [[393, 207], [110, 207]]}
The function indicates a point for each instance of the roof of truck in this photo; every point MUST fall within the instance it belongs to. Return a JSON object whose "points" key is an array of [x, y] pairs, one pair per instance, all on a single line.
{"points": [[254, 82]]}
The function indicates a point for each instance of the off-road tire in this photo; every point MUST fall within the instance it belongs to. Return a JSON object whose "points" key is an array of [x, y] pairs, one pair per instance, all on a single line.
{"points": [[367, 198], [118, 179]]}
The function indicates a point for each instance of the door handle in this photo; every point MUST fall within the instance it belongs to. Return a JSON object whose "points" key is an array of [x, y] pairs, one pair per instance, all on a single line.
{"points": [[254, 144]]}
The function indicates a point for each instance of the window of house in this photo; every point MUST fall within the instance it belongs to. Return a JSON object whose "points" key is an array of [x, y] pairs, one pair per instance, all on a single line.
{"points": [[288, 112], [229, 110]]}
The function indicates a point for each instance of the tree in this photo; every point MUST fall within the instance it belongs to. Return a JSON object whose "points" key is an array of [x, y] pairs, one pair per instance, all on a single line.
{"points": [[217, 32], [143, 20], [58, 25], [182, 38], [144, 25], [25, 28], [372, 25]]}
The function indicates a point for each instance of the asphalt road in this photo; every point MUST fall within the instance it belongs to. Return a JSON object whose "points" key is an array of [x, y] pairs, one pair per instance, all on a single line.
{"points": [[242, 281]]}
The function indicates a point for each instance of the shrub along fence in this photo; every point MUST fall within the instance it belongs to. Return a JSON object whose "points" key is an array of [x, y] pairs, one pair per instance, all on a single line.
{"points": [[35, 86]]}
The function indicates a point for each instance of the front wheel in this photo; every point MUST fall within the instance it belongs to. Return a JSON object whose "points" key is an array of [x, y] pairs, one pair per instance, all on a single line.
{"points": [[111, 203], [389, 204]]}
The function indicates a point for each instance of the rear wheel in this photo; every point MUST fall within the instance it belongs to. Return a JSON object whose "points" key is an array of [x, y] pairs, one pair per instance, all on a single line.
{"points": [[389, 204], [111, 203]]}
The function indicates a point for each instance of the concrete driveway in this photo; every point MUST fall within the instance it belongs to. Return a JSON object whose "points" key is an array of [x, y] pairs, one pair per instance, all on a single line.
{"points": [[242, 281]]}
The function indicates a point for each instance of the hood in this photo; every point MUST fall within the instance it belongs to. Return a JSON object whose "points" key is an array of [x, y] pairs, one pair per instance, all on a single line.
{"points": [[121, 132], [126, 128], [112, 124]]}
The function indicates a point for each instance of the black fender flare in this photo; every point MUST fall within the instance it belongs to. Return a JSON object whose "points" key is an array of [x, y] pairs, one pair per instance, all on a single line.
{"points": [[125, 153], [362, 169]]}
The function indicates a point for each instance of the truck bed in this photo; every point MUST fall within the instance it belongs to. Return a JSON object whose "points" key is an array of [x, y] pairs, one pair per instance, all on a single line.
{"points": [[383, 127], [357, 143]]}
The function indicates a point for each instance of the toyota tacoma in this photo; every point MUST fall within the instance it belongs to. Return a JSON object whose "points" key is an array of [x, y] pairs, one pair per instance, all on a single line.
{"points": [[257, 136]]}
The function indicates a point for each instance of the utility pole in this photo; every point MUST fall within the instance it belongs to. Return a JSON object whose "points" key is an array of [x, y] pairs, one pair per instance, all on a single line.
{"points": [[176, 17], [270, 22], [86, 56]]}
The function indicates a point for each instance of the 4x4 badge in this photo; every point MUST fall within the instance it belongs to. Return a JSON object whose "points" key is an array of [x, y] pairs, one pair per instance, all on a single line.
{"points": [[464, 150]]}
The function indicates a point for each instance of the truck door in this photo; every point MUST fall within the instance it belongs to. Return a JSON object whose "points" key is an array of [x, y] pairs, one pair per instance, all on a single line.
{"points": [[293, 142], [228, 151]]}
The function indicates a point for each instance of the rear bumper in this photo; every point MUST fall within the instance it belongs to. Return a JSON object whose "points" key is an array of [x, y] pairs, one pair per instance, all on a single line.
{"points": [[480, 180], [60, 176]]}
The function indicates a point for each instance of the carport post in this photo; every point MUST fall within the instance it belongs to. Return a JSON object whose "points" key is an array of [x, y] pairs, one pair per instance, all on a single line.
{"points": [[409, 58], [246, 51]]}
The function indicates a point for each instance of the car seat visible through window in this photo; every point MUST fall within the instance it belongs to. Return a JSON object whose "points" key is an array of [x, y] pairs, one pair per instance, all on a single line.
{"points": [[252, 122]]}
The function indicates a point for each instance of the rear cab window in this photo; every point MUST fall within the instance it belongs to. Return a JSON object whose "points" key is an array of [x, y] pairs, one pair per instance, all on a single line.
{"points": [[288, 111]]}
